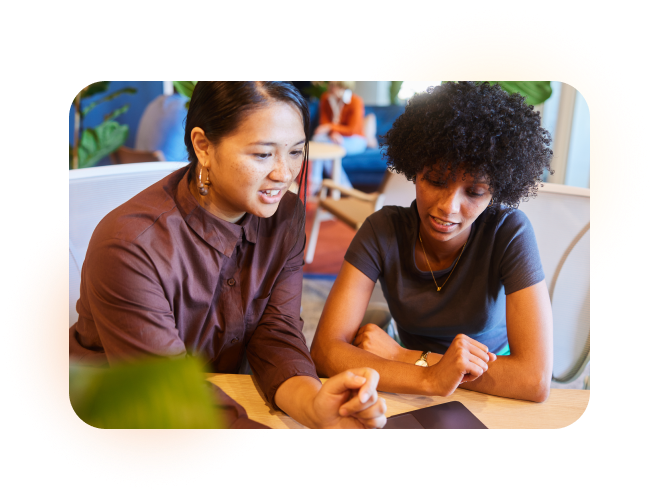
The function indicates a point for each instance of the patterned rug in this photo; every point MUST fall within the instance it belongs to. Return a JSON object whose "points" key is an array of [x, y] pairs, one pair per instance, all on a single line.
{"points": [[314, 294]]}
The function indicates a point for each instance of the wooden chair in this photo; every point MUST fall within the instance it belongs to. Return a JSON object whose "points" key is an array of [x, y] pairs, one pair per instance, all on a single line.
{"points": [[125, 155], [355, 206]]}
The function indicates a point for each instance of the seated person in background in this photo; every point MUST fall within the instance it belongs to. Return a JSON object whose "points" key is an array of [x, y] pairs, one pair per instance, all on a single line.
{"points": [[208, 261], [341, 121], [459, 268]]}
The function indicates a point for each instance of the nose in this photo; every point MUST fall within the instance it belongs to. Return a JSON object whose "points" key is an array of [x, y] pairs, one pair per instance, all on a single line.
{"points": [[281, 172], [449, 201]]}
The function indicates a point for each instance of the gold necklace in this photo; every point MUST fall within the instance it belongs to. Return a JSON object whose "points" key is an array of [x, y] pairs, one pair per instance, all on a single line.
{"points": [[428, 262]]}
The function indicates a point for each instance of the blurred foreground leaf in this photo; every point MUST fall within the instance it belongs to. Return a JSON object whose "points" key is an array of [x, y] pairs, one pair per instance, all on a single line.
{"points": [[152, 394]]}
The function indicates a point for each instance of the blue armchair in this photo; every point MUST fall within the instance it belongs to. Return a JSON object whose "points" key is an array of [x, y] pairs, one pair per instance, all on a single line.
{"points": [[365, 170]]}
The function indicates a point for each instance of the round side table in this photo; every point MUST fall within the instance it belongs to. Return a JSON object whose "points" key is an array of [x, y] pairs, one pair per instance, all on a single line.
{"points": [[328, 151]]}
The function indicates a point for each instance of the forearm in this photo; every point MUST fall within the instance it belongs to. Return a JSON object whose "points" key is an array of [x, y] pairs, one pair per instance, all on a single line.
{"points": [[295, 397], [396, 376], [512, 377]]}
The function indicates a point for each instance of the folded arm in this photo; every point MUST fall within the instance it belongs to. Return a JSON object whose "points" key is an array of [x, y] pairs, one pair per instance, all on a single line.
{"points": [[332, 348], [524, 374]]}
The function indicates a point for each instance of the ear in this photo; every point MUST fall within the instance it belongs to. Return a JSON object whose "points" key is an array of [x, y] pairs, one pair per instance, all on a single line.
{"points": [[200, 145]]}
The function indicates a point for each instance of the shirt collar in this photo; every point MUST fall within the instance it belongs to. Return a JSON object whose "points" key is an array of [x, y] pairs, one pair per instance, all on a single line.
{"points": [[221, 235]]}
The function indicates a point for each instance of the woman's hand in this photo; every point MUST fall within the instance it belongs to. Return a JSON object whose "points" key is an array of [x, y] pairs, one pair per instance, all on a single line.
{"points": [[350, 400], [374, 339], [465, 360], [336, 137], [324, 128]]}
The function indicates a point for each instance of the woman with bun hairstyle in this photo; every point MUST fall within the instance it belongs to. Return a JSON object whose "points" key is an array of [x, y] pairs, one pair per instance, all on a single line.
{"points": [[208, 261]]}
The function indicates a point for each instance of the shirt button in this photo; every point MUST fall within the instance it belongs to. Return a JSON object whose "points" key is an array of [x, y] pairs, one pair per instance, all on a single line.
{"points": [[235, 340], [231, 282]]}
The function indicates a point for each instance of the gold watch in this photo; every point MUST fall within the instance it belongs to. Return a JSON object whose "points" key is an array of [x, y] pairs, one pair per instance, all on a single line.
{"points": [[423, 359]]}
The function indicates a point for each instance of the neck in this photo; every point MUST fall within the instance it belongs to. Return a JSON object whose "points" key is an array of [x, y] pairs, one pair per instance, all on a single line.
{"points": [[441, 254]]}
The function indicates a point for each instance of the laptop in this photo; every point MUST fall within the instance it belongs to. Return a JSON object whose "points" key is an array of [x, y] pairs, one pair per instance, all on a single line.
{"points": [[451, 415]]}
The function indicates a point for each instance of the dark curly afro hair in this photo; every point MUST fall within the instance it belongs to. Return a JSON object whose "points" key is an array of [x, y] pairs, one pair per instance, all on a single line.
{"points": [[476, 128]]}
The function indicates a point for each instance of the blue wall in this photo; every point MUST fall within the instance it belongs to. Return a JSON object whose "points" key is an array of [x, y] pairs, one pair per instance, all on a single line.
{"points": [[145, 93]]}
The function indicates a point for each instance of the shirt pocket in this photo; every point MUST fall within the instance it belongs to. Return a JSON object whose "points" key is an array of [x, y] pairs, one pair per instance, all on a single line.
{"points": [[254, 314]]}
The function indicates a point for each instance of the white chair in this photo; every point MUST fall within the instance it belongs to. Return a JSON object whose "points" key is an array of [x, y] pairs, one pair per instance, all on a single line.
{"points": [[93, 193], [560, 217], [357, 205]]}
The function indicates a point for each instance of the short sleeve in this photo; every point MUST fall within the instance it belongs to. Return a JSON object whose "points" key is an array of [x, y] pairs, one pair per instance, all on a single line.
{"points": [[520, 264], [370, 245]]}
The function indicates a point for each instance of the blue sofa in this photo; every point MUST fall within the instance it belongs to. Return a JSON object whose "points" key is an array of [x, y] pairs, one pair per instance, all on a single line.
{"points": [[365, 170]]}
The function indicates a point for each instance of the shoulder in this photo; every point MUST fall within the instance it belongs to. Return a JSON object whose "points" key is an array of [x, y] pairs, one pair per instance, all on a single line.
{"points": [[130, 220], [505, 220], [390, 224]]}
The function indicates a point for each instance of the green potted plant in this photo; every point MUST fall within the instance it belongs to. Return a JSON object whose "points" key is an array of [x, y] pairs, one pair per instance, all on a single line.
{"points": [[90, 145], [186, 89], [535, 92]]}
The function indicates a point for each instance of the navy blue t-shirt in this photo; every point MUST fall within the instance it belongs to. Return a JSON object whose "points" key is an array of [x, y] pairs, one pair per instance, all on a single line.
{"points": [[501, 257]]}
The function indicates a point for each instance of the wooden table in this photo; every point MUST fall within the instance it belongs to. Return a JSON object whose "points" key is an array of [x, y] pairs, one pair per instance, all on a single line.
{"points": [[331, 152], [562, 408]]}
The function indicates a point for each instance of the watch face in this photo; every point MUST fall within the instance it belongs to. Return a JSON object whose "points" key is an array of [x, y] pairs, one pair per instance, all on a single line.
{"points": [[421, 363]]}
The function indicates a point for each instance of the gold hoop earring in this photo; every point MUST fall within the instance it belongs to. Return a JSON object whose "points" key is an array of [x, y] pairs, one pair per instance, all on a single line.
{"points": [[491, 202], [203, 184]]}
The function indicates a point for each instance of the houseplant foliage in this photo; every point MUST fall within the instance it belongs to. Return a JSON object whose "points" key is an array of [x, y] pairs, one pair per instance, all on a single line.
{"points": [[316, 89], [394, 89], [186, 89], [535, 92], [90, 145], [149, 394]]}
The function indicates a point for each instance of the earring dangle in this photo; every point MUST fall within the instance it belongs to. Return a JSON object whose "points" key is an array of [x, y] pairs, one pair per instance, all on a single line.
{"points": [[203, 184], [491, 202]]}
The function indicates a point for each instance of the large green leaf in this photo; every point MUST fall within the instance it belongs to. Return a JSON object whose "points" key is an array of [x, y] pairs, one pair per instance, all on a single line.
{"points": [[109, 97], [185, 88], [153, 394], [536, 92], [95, 88], [98, 142]]}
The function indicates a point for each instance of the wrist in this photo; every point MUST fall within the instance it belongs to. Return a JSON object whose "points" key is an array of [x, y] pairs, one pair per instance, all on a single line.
{"points": [[431, 382]]}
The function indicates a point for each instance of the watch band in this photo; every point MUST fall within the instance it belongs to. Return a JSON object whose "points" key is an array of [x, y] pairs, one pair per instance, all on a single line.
{"points": [[423, 359]]}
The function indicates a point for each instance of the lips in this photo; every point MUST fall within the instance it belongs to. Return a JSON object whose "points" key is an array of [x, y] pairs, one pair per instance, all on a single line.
{"points": [[441, 225], [270, 196]]}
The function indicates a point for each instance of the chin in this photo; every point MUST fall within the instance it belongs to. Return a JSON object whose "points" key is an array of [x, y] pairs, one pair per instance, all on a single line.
{"points": [[265, 211]]}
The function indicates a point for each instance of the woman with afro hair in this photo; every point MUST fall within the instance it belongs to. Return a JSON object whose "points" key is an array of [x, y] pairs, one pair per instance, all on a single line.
{"points": [[459, 268]]}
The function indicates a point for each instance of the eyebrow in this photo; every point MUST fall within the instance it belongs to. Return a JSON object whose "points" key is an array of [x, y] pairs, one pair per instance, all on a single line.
{"points": [[275, 143]]}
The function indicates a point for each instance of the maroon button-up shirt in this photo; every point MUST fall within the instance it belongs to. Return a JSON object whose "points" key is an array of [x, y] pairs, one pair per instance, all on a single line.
{"points": [[164, 277]]}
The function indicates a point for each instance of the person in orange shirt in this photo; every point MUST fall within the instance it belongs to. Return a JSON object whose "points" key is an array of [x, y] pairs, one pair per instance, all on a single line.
{"points": [[341, 121]]}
